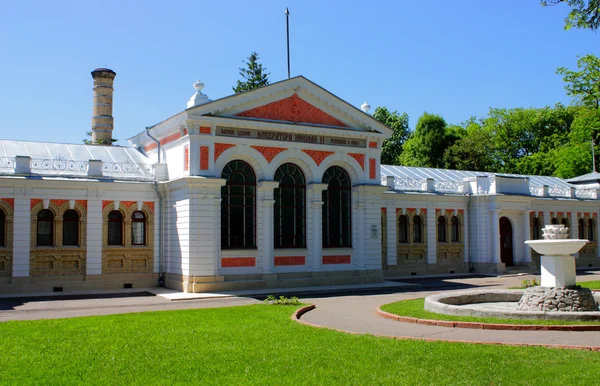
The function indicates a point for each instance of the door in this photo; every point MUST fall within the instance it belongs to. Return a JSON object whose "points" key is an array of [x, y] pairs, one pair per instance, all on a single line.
{"points": [[506, 243]]}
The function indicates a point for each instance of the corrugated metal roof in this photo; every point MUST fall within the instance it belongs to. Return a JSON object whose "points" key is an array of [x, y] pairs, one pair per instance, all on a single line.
{"points": [[64, 159], [592, 177], [418, 173]]}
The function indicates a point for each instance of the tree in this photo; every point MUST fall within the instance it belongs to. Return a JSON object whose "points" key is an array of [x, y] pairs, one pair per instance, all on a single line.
{"points": [[392, 147], [255, 75], [584, 13], [472, 150], [583, 85], [427, 144]]}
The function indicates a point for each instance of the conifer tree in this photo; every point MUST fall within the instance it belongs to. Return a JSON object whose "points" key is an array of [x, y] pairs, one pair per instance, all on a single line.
{"points": [[255, 75]]}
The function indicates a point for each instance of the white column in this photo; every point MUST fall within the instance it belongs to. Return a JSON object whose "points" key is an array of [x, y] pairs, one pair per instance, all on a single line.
{"points": [[527, 233], [392, 234], [574, 231], [21, 237], [315, 236], [359, 245], [94, 237], [266, 194], [495, 237], [597, 232], [466, 235], [431, 239], [547, 219]]}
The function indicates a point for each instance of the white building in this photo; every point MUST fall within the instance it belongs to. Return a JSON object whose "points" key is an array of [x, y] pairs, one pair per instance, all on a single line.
{"points": [[275, 187]]}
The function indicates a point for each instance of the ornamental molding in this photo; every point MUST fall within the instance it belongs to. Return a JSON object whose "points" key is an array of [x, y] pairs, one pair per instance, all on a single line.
{"points": [[269, 152], [360, 158], [220, 148], [318, 155]]}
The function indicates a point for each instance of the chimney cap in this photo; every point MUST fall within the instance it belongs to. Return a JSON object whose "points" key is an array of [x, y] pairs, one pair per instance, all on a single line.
{"points": [[107, 72]]}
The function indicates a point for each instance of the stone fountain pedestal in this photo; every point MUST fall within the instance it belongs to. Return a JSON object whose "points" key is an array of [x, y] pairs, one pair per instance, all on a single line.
{"points": [[558, 290]]}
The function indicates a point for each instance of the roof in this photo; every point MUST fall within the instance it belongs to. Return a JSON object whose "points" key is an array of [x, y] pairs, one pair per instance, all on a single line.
{"points": [[72, 160], [448, 175], [593, 177]]}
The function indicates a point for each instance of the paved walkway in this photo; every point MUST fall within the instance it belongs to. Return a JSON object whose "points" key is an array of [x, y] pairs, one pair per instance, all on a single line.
{"points": [[352, 312]]}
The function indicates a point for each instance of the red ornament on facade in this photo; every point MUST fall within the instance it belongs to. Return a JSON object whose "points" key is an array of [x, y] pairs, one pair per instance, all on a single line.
{"points": [[360, 158], [203, 157], [293, 109], [220, 148], [269, 152], [150, 204], [234, 262], [59, 202], [33, 202], [372, 168], [289, 260], [317, 155], [82, 203], [10, 202], [186, 158], [339, 259], [373, 145], [204, 130]]}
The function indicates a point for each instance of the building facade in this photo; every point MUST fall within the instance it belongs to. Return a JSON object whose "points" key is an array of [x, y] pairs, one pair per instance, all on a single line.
{"points": [[276, 187]]}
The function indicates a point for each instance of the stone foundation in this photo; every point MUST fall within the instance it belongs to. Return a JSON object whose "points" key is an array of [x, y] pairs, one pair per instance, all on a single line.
{"points": [[551, 299]]}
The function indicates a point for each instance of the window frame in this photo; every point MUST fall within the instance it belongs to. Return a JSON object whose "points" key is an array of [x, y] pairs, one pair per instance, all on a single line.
{"points": [[76, 227], [591, 224], [535, 225], [248, 241], [455, 230], [442, 225], [121, 223], [144, 223], [403, 236], [418, 229], [51, 221], [298, 192], [332, 210], [2, 228]]}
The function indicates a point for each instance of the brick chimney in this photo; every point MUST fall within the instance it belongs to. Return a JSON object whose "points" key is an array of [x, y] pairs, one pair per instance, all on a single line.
{"points": [[102, 119]]}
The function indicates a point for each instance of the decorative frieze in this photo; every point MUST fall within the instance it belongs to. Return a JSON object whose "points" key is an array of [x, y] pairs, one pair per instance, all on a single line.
{"points": [[203, 157], [221, 147], [317, 155], [236, 262], [289, 260], [360, 158], [337, 259], [269, 152]]}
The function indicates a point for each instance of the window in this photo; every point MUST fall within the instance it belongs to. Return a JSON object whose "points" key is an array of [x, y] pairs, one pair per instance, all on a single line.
{"points": [[115, 228], [565, 222], [45, 227], [553, 221], [2, 229], [417, 229], [581, 229], [238, 206], [441, 229], [71, 227], [590, 225], [403, 229], [289, 211], [536, 229], [455, 229], [337, 210], [138, 228]]}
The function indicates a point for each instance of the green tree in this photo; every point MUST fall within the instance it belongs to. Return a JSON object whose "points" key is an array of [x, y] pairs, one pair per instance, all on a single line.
{"points": [[392, 147], [584, 13], [583, 85], [472, 150], [427, 144], [254, 75]]}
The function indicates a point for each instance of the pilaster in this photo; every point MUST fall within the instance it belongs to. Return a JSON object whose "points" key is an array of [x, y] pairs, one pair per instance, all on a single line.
{"points": [[266, 203], [431, 235], [21, 237], [527, 236], [495, 235], [315, 236], [392, 234], [94, 236]]}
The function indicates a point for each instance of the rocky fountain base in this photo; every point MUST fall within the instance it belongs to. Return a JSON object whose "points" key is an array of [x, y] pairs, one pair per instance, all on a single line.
{"points": [[549, 299]]}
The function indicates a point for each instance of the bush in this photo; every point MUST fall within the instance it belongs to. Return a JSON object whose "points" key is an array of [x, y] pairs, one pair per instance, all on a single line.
{"points": [[282, 301]]}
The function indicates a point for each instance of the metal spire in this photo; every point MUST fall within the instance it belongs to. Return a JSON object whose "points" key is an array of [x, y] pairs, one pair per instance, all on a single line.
{"points": [[593, 157], [287, 26]]}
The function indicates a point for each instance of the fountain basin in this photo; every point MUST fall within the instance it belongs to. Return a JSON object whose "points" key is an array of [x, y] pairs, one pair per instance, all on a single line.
{"points": [[556, 247]]}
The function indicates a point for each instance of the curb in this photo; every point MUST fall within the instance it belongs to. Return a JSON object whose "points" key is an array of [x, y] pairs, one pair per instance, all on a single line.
{"points": [[296, 316], [488, 326]]}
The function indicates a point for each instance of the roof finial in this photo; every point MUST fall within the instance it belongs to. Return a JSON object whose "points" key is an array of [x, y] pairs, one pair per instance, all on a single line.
{"points": [[365, 107], [198, 98]]}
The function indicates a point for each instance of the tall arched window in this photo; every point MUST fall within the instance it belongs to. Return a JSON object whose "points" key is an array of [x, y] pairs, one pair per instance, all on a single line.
{"points": [[565, 222], [455, 229], [71, 227], [553, 221], [536, 229], [289, 211], [417, 229], [45, 227], [442, 229], [590, 232], [337, 208], [403, 229], [115, 228], [238, 206], [2, 228], [138, 228], [581, 229]]}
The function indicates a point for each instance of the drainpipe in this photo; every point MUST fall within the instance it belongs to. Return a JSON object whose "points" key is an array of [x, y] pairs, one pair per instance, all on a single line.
{"points": [[161, 263], [471, 269]]}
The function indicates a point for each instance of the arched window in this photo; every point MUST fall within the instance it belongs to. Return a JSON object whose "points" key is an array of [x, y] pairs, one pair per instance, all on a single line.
{"points": [[581, 229], [553, 221], [138, 228], [2, 228], [45, 227], [115, 228], [565, 222], [455, 229], [71, 227], [289, 211], [403, 229], [417, 229], [442, 229], [536, 229], [238, 206], [590, 232], [337, 208]]}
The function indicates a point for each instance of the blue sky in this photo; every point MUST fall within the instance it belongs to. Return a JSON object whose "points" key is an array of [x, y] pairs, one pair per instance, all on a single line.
{"points": [[454, 58]]}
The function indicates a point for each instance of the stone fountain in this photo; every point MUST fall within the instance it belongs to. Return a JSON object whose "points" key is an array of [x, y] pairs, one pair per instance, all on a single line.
{"points": [[557, 290]]}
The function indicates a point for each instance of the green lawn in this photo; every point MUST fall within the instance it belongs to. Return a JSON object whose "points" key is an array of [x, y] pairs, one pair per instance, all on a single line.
{"points": [[595, 284], [414, 309], [261, 345]]}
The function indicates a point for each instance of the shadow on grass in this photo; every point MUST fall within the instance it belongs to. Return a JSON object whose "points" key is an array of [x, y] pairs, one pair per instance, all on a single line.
{"points": [[10, 303]]}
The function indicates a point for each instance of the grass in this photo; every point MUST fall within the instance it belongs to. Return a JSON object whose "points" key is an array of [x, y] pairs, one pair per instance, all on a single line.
{"points": [[594, 285], [414, 309], [261, 345]]}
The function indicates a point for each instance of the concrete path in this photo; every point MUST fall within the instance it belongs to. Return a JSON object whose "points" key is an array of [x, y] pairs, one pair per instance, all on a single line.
{"points": [[357, 314]]}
